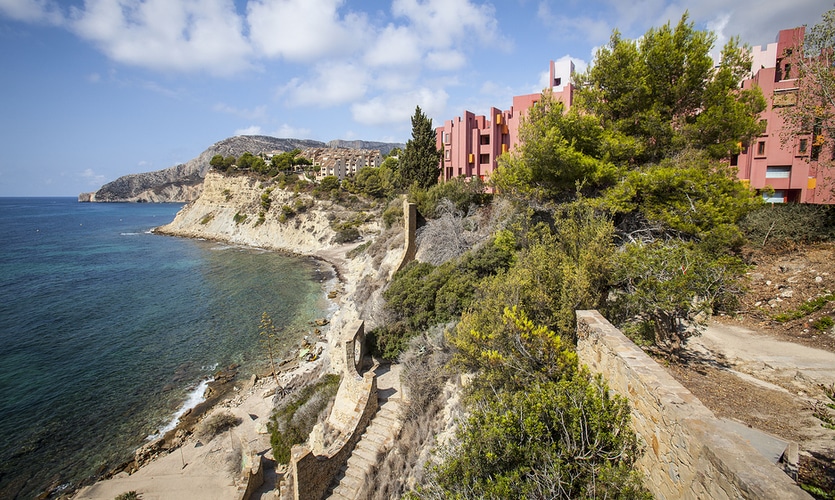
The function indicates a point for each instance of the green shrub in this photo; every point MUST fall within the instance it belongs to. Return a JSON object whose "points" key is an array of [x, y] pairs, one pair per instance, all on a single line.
{"points": [[532, 411], [298, 413], [392, 215], [354, 252], [207, 218], [823, 324], [265, 200], [346, 234], [789, 224], [239, 218], [805, 309], [130, 495]]}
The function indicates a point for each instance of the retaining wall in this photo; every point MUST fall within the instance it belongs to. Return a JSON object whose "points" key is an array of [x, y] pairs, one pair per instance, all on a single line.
{"points": [[687, 453], [410, 223], [314, 465]]}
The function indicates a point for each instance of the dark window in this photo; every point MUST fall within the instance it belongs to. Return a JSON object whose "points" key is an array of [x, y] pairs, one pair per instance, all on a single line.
{"points": [[804, 146], [761, 148], [484, 158], [485, 139], [734, 160], [787, 74]]}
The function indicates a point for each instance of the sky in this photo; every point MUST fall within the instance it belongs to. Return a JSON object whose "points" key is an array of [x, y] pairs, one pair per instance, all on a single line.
{"points": [[91, 90]]}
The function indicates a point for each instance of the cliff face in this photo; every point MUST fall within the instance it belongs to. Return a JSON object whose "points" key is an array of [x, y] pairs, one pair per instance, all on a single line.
{"points": [[228, 209], [184, 182]]}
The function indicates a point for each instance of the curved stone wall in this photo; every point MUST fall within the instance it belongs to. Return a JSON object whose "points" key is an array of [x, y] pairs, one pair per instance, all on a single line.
{"points": [[356, 403]]}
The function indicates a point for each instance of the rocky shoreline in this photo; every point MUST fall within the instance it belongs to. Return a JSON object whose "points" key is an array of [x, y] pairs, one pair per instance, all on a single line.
{"points": [[211, 217]]}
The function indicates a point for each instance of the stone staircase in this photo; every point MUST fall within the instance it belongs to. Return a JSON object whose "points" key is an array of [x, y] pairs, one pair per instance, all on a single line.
{"points": [[355, 479]]}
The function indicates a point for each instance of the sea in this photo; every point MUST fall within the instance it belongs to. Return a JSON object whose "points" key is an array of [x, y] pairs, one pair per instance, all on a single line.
{"points": [[108, 331]]}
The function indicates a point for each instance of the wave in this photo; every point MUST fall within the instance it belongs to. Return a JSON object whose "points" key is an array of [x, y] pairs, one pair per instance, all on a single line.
{"points": [[194, 398], [129, 234]]}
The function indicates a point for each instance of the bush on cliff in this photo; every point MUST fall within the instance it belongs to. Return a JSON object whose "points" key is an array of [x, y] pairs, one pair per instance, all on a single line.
{"points": [[296, 415], [539, 425]]}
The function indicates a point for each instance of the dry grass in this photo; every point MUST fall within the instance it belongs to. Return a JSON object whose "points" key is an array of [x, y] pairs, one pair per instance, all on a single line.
{"points": [[215, 424]]}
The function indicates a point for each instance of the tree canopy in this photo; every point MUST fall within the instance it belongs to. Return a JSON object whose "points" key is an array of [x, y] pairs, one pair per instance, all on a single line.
{"points": [[420, 162], [664, 91]]}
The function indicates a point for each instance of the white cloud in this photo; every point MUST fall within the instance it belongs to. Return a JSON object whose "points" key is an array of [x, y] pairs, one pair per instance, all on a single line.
{"points": [[445, 60], [398, 108], [256, 113], [301, 30], [443, 23], [332, 84], [166, 35], [394, 46], [251, 130], [37, 11]]}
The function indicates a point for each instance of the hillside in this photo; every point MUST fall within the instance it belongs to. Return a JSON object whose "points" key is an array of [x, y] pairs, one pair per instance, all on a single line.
{"points": [[184, 182]]}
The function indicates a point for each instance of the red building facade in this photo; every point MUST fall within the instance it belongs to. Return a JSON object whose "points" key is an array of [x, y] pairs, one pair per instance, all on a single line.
{"points": [[786, 169], [471, 144]]}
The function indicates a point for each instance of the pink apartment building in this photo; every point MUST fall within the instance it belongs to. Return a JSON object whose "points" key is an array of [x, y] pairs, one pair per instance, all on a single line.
{"points": [[471, 144], [796, 168]]}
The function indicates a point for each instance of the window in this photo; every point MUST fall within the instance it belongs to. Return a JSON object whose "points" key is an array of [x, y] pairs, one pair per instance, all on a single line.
{"points": [[803, 146], [484, 140], [778, 172], [484, 158], [447, 154], [778, 196], [446, 137], [761, 148], [734, 160], [787, 74]]}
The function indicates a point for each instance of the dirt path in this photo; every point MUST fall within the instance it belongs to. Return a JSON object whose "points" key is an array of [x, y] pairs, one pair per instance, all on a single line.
{"points": [[766, 383], [761, 359]]}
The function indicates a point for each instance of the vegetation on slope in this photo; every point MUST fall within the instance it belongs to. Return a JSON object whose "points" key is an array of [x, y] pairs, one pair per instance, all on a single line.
{"points": [[622, 203]]}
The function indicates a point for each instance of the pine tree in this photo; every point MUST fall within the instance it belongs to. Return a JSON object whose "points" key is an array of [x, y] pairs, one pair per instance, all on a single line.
{"points": [[420, 163]]}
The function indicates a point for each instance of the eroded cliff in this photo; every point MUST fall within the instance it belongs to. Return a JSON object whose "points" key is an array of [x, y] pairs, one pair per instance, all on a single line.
{"points": [[232, 209]]}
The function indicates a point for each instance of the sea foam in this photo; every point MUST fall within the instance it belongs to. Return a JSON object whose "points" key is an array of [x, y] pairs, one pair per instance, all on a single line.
{"points": [[194, 398]]}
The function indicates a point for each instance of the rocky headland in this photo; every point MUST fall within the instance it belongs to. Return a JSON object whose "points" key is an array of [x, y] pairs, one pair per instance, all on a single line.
{"points": [[184, 182]]}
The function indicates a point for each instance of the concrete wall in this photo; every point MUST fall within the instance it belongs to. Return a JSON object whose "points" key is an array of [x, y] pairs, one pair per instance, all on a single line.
{"points": [[315, 465], [687, 453], [410, 223]]}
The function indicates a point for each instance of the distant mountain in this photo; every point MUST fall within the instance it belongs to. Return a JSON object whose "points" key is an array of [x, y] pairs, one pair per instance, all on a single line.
{"points": [[184, 182]]}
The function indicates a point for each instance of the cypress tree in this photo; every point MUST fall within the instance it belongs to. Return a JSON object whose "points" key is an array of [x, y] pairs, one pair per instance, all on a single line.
{"points": [[420, 163]]}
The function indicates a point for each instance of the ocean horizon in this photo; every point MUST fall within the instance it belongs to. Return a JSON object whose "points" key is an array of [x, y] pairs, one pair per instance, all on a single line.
{"points": [[109, 331]]}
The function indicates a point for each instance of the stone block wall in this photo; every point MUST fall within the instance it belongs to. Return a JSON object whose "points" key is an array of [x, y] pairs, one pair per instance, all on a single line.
{"points": [[410, 245], [687, 454], [313, 470]]}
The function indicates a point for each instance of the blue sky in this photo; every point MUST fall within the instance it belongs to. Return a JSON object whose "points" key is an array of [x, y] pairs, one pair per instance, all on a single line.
{"points": [[94, 89]]}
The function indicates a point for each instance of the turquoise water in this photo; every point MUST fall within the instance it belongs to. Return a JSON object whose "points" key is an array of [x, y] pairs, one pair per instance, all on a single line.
{"points": [[105, 329]]}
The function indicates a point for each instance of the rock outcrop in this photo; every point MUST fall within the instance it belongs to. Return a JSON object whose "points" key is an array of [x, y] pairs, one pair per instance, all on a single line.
{"points": [[184, 182]]}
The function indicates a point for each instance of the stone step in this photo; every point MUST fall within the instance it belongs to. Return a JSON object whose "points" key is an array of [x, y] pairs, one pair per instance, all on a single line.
{"points": [[360, 462], [368, 454], [348, 484]]}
